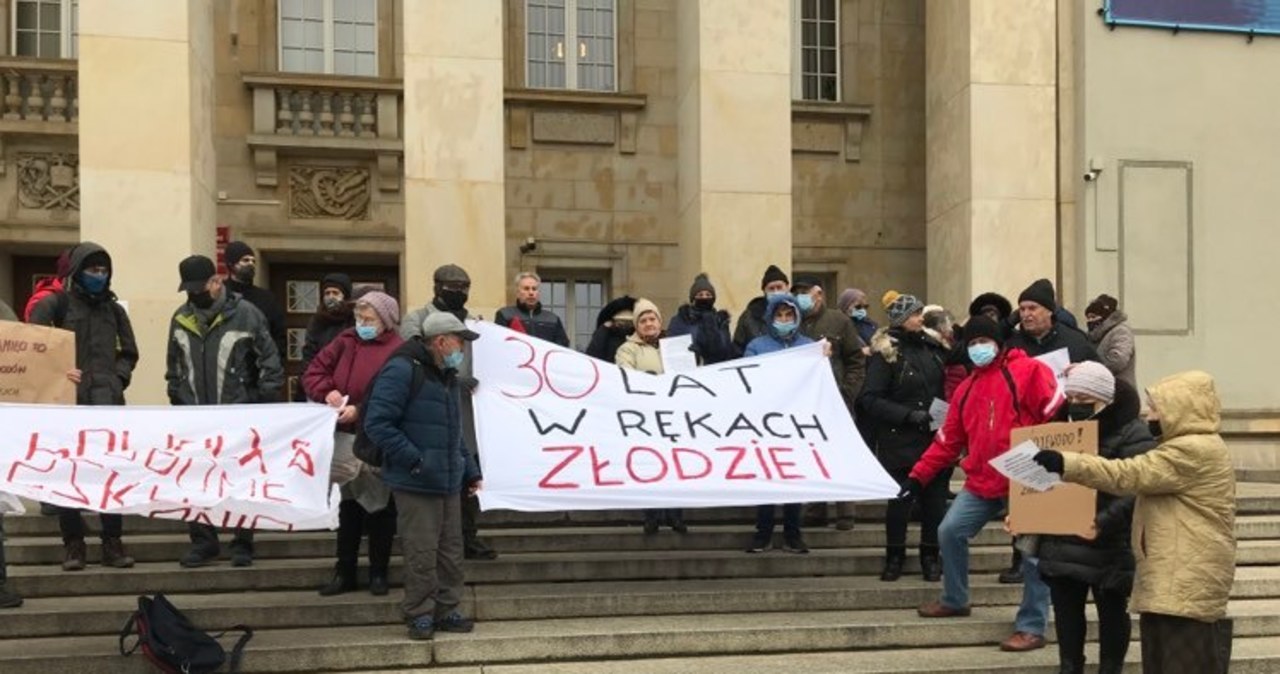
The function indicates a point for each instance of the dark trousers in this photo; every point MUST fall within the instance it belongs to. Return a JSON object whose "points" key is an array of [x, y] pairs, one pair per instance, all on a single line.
{"points": [[933, 507], [431, 538], [72, 525], [204, 537], [1177, 645], [353, 523], [664, 515], [790, 519], [470, 513], [1069, 597]]}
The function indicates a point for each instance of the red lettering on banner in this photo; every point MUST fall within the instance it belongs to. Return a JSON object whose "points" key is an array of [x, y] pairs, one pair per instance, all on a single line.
{"points": [[781, 466], [117, 496], [213, 445], [185, 513], [125, 452], [680, 472], [546, 375], [158, 453], [307, 465], [79, 497], [818, 459], [255, 452], [84, 440], [546, 483], [598, 466], [527, 365], [732, 473], [764, 465], [631, 465], [263, 518], [266, 492]]}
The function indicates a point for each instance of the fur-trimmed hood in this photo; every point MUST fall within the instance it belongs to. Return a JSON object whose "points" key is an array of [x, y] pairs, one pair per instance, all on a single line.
{"points": [[885, 342]]}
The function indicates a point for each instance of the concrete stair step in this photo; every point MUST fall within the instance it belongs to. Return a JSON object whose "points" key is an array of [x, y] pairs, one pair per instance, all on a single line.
{"points": [[545, 641], [104, 614]]}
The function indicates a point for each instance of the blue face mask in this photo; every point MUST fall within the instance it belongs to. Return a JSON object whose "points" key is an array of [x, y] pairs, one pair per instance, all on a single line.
{"points": [[859, 314], [770, 296], [784, 329], [366, 332], [983, 355], [94, 283], [454, 360], [805, 303]]}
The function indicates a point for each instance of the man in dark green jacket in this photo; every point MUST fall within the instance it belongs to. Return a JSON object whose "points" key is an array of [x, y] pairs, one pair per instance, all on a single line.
{"points": [[220, 353]]}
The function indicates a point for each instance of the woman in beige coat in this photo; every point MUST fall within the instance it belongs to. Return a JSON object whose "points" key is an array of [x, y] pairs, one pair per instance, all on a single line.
{"points": [[640, 352], [1183, 526]]}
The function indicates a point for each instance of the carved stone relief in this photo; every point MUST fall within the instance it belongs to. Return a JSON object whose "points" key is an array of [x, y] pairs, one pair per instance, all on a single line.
{"points": [[329, 192], [49, 180]]}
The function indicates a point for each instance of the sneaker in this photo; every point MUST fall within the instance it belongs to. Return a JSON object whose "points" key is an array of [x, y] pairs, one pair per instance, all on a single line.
{"points": [[760, 543], [113, 554], [8, 598], [454, 622], [422, 628], [795, 545], [75, 554], [197, 558]]}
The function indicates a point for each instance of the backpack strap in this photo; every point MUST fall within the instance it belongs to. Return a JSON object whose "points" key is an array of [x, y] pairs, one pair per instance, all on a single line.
{"points": [[1013, 392], [60, 304], [237, 651], [126, 632]]}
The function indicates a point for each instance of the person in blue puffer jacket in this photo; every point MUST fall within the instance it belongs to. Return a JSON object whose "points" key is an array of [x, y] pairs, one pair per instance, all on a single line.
{"points": [[413, 414]]}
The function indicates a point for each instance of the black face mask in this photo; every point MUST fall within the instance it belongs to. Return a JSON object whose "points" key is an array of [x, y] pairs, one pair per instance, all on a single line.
{"points": [[1093, 325], [1154, 427], [705, 305], [246, 273], [453, 300], [1080, 411], [200, 300]]}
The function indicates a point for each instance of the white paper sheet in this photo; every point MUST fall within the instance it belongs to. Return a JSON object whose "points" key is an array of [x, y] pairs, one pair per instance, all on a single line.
{"points": [[676, 356], [1018, 464], [938, 413]]}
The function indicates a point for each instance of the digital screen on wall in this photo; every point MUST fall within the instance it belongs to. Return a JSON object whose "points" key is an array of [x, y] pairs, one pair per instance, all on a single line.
{"points": [[1235, 16]]}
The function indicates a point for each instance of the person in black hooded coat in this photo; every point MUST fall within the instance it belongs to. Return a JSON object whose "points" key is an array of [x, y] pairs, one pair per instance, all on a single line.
{"points": [[614, 325], [1074, 566], [332, 317]]}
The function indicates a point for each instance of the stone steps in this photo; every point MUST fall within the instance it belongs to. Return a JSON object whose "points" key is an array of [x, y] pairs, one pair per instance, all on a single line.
{"points": [[560, 640]]}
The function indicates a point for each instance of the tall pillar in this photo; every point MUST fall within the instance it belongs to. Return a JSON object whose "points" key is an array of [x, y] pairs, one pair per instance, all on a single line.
{"points": [[992, 146], [147, 169], [734, 112], [454, 165]]}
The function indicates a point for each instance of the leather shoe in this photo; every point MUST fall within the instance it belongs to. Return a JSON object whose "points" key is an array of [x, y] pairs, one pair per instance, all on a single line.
{"points": [[938, 609], [1022, 641], [378, 586]]}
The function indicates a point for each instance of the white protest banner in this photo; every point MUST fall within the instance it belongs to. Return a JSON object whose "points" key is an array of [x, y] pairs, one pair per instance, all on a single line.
{"points": [[252, 466], [562, 431]]}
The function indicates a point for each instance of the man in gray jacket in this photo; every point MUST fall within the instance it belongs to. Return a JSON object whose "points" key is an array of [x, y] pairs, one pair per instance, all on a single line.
{"points": [[452, 289], [220, 353]]}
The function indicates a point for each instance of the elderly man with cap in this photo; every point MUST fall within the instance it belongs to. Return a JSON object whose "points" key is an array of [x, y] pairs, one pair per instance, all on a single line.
{"points": [[1006, 390], [853, 303], [452, 287], [752, 323], [220, 353], [243, 265], [1039, 330], [709, 326], [414, 414]]}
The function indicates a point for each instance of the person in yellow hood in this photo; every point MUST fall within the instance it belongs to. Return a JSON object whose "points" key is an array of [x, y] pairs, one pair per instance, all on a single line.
{"points": [[1183, 526]]}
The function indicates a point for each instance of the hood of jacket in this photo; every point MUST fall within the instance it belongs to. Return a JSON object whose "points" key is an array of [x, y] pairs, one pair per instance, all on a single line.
{"points": [[613, 308], [885, 341], [1107, 325], [1187, 403], [771, 308], [79, 255]]}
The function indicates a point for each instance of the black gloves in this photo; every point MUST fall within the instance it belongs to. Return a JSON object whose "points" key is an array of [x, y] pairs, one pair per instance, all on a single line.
{"points": [[468, 384], [1050, 460], [919, 419], [911, 488]]}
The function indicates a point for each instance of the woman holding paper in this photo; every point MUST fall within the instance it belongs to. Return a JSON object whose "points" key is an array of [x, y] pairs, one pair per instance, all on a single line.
{"points": [[1103, 562], [340, 376], [641, 352]]}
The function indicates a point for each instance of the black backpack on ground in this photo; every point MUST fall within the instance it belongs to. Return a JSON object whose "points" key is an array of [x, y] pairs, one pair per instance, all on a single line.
{"points": [[175, 646], [363, 447]]}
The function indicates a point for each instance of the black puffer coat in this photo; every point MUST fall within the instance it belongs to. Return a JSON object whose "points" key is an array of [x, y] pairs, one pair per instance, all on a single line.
{"points": [[1107, 561], [607, 338], [905, 373]]}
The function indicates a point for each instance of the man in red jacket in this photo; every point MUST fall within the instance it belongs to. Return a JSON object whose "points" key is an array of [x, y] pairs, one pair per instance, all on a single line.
{"points": [[1006, 390]]}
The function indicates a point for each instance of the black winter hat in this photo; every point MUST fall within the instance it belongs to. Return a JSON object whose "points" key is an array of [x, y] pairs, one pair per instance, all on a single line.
{"points": [[96, 259], [804, 282], [1041, 292], [700, 283], [982, 326], [237, 250], [337, 280], [1102, 307], [995, 300], [773, 274]]}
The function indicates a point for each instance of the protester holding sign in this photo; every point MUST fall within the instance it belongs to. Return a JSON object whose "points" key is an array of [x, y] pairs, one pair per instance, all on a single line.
{"points": [[106, 354], [340, 376], [1183, 525], [641, 352], [1007, 390], [1102, 563], [905, 375], [414, 415], [783, 316], [220, 353], [709, 326]]}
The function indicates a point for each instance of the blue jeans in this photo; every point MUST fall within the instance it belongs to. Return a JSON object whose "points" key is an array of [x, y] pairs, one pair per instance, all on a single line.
{"points": [[967, 516]]}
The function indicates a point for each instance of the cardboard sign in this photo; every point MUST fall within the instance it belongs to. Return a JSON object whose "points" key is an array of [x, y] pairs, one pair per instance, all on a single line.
{"points": [[34, 361], [1067, 509]]}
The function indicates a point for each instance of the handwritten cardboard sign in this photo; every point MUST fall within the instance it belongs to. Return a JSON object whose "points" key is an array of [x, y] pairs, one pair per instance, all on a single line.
{"points": [[561, 431], [1067, 509], [34, 361]]}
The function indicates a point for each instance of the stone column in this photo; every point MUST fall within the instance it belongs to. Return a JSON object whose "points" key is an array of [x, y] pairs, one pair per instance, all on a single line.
{"points": [[734, 114], [147, 170], [992, 146], [454, 166]]}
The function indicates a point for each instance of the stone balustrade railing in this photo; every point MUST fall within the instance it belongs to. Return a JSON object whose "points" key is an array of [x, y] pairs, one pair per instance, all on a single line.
{"points": [[325, 114], [40, 95]]}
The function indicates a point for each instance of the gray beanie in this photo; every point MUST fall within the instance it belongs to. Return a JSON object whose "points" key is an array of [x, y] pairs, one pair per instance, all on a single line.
{"points": [[902, 308], [1091, 379]]}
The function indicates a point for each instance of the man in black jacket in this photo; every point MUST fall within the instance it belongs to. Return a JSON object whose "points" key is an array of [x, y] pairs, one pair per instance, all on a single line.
{"points": [[528, 316], [1039, 331], [243, 265], [751, 323]]}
